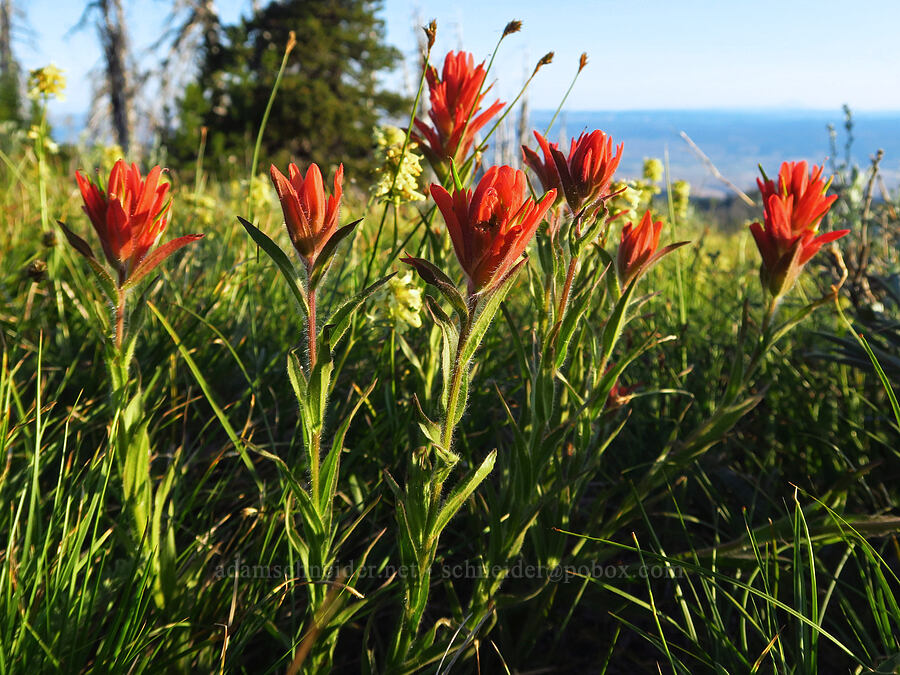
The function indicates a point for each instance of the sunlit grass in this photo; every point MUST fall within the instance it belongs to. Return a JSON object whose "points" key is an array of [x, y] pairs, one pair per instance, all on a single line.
{"points": [[756, 575]]}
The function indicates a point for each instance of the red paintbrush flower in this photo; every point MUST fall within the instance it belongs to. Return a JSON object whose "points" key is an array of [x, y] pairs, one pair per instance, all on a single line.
{"points": [[789, 237], [544, 169], [637, 249], [491, 227], [129, 218], [810, 204], [586, 173], [455, 100], [311, 219]]}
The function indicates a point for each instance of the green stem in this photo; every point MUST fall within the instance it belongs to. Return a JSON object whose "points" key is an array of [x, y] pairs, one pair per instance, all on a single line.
{"points": [[291, 43], [399, 167], [416, 600], [679, 281], [317, 435], [508, 109], [311, 329], [567, 289], [459, 368], [375, 245], [477, 98], [198, 170], [562, 103], [120, 320], [39, 149]]}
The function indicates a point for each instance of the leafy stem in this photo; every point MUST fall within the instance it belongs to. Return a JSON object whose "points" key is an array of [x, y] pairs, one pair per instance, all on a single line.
{"points": [[459, 369]]}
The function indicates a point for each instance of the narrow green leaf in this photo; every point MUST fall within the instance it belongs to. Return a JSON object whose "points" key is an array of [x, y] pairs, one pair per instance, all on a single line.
{"points": [[430, 428], [485, 315], [616, 321], [323, 260], [572, 318], [331, 465], [107, 285], [457, 182], [204, 387], [280, 259], [435, 277], [461, 493], [340, 319]]}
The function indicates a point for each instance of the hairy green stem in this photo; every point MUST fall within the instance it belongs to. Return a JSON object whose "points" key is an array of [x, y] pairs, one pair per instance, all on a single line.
{"points": [[39, 149], [458, 373], [120, 319], [317, 435], [567, 289]]}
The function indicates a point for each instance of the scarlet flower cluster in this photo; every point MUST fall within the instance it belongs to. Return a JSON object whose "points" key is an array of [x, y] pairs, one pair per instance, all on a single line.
{"points": [[456, 96], [311, 217], [491, 226], [788, 238], [129, 217], [583, 176]]}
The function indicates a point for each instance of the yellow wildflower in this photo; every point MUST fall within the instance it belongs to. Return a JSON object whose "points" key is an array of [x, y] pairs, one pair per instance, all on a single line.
{"points": [[405, 164], [681, 193], [46, 82], [653, 169]]}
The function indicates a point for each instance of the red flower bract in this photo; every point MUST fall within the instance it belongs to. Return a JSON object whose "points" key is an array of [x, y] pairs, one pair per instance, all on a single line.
{"points": [[788, 237], [454, 98], [310, 217], [807, 191], [544, 169], [129, 218], [491, 227], [586, 173], [637, 247]]}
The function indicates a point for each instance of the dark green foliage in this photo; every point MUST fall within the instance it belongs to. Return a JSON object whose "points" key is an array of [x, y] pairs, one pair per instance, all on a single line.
{"points": [[328, 100], [10, 97]]}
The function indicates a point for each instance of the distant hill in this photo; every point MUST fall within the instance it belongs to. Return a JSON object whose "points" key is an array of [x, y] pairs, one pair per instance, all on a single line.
{"points": [[735, 140]]}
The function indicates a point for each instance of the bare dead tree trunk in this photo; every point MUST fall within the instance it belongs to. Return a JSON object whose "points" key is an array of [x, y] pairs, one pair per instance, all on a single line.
{"points": [[6, 57], [10, 100], [199, 29], [114, 39]]}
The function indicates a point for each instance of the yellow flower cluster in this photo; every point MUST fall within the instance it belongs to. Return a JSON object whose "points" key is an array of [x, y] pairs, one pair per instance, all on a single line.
{"points": [[46, 82], [406, 165], [635, 199], [627, 199], [110, 154], [401, 301], [653, 169], [260, 188], [681, 194]]}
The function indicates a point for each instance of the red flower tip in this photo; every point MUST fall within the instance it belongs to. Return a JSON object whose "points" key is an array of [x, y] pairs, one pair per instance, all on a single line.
{"points": [[491, 227], [129, 217], [311, 217], [586, 173], [543, 167], [637, 248], [793, 207], [456, 97]]}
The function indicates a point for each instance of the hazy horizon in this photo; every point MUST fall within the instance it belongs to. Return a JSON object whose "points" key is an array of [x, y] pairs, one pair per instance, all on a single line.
{"points": [[657, 56]]}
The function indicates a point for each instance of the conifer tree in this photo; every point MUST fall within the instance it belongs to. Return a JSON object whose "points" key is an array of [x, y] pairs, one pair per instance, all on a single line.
{"points": [[329, 98]]}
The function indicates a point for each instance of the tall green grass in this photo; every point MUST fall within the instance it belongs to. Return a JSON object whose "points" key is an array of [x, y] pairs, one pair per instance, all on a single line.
{"points": [[774, 551]]}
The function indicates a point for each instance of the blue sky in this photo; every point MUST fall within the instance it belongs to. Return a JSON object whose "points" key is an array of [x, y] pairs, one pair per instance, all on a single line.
{"points": [[655, 54]]}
